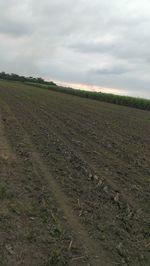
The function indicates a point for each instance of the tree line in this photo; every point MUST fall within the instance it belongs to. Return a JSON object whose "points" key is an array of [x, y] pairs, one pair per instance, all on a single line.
{"points": [[16, 77]]}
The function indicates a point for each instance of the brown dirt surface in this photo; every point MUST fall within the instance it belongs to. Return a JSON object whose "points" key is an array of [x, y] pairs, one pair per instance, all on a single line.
{"points": [[74, 180]]}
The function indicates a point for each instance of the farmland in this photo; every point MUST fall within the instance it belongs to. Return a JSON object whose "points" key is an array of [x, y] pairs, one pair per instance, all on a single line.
{"points": [[74, 180], [140, 103]]}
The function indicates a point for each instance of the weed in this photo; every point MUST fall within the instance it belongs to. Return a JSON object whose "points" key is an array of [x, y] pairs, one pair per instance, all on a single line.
{"points": [[56, 259]]}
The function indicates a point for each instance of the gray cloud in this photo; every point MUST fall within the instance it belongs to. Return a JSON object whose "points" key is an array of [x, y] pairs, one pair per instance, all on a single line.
{"points": [[114, 70], [97, 42]]}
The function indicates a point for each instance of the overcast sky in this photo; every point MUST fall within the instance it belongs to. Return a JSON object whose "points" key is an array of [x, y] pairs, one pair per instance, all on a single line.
{"points": [[83, 43]]}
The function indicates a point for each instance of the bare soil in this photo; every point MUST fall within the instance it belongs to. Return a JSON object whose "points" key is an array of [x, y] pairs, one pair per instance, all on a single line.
{"points": [[74, 180]]}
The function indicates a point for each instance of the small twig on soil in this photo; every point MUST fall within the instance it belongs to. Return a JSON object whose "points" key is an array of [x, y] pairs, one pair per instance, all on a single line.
{"points": [[96, 152], [79, 203], [117, 263], [99, 183], [147, 245], [70, 245], [53, 216], [9, 249], [78, 258], [43, 189], [81, 212]]}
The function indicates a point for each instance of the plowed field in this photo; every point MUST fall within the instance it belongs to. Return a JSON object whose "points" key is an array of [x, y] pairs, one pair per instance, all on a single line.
{"points": [[74, 180]]}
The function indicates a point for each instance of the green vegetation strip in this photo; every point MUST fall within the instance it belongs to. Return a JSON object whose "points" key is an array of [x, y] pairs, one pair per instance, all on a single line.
{"points": [[139, 103]]}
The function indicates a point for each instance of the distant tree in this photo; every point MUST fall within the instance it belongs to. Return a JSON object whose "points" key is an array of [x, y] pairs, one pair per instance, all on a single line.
{"points": [[16, 77]]}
